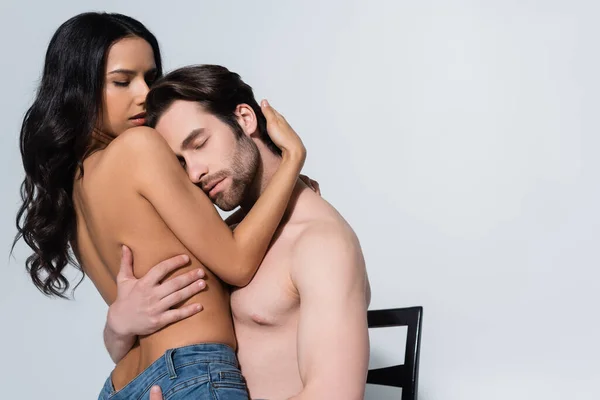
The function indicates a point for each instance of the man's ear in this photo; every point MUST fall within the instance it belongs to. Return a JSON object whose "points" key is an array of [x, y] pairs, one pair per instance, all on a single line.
{"points": [[246, 118]]}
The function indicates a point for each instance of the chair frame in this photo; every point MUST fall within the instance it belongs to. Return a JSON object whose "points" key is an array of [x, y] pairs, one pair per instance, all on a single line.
{"points": [[404, 376]]}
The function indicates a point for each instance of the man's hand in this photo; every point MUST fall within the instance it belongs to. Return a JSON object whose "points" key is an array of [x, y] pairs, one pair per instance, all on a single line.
{"points": [[156, 393], [143, 306]]}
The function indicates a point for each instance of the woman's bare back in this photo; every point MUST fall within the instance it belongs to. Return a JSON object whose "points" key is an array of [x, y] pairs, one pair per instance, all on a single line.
{"points": [[110, 212]]}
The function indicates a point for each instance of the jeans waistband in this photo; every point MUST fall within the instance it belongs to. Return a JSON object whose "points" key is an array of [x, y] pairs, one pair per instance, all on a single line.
{"points": [[179, 357]]}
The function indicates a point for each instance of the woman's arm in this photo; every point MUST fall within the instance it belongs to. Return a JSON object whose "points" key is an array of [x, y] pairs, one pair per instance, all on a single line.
{"points": [[189, 213], [239, 215]]}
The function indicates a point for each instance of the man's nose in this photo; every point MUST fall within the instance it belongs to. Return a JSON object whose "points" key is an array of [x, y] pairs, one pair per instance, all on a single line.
{"points": [[197, 172]]}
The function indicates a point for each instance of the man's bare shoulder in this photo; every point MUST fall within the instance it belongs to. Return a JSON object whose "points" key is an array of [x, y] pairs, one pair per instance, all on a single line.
{"points": [[325, 241], [327, 252], [317, 219], [323, 232]]}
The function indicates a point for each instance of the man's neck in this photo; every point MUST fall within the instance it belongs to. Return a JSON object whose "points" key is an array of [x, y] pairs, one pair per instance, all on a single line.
{"points": [[268, 165]]}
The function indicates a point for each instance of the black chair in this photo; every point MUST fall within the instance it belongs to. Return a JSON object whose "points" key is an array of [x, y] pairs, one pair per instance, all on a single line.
{"points": [[403, 376]]}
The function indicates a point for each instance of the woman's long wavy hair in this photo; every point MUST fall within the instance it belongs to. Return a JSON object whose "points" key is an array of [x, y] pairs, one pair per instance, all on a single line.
{"points": [[56, 136]]}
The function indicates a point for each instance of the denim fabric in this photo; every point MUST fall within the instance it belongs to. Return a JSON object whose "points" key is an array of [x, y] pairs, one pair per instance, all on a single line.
{"points": [[202, 371]]}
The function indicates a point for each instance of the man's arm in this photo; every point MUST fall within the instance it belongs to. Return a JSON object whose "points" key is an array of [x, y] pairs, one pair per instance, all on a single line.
{"points": [[117, 344], [333, 340]]}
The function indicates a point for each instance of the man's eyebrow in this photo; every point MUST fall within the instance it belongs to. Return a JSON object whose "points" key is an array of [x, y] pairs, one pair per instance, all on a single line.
{"points": [[191, 137]]}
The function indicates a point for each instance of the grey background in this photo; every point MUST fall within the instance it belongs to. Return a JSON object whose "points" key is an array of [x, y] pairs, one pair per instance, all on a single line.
{"points": [[460, 140]]}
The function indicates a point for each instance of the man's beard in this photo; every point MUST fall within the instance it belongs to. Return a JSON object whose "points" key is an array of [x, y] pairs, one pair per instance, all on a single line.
{"points": [[242, 171]]}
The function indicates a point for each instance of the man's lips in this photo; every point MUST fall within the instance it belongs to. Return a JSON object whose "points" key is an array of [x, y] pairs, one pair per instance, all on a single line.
{"points": [[208, 188]]}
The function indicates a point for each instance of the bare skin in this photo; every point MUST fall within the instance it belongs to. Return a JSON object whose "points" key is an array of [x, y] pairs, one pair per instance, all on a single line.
{"points": [[317, 347], [301, 322], [134, 191], [110, 212], [140, 307]]}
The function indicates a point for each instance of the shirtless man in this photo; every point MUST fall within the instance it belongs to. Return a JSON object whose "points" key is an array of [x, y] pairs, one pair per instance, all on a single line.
{"points": [[301, 323]]}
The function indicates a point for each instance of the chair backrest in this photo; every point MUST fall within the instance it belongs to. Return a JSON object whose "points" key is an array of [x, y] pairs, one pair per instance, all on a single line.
{"points": [[405, 376]]}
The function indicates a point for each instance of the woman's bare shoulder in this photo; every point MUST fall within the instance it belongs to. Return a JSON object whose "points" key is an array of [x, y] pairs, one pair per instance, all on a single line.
{"points": [[136, 147], [135, 139]]}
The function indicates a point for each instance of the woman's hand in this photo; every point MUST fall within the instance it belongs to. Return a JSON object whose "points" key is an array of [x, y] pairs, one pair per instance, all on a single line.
{"points": [[282, 134]]}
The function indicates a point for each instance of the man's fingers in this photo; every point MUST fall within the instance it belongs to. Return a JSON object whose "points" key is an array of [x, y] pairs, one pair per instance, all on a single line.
{"points": [[172, 285], [160, 270], [126, 267], [181, 295], [171, 316], [156, 393]]}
